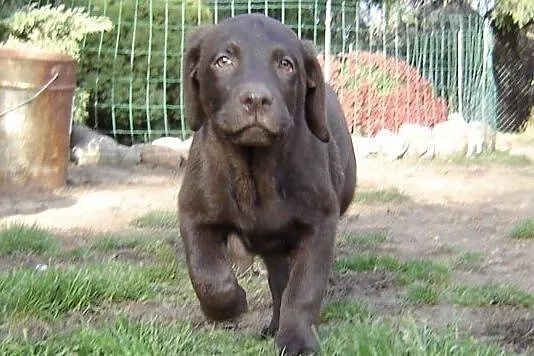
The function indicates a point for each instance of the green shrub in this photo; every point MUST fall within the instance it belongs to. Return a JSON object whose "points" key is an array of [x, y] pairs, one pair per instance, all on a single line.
{"points": [[133, 71]]}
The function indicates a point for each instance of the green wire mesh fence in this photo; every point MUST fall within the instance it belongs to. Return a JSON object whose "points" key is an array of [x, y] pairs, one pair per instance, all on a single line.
{"points": [[133, 73]]}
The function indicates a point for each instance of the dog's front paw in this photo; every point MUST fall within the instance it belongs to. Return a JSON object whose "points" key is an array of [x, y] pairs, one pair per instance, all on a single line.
{"points": [[296, 341]]}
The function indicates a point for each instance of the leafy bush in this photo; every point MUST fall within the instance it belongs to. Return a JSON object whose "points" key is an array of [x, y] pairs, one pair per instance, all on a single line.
{"points": [[379, 92], [53, 28], [134, 70]]}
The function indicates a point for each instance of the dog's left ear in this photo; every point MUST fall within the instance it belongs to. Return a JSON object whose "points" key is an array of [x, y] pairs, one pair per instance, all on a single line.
{"points": [[194, 113], [315, 93]]}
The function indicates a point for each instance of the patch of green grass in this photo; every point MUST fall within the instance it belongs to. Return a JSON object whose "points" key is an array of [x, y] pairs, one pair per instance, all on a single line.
{"points": [[380, 196], [495, 157], [54, 291], [422, 270], [490, 294], [152, 337], [404, 338], [365, 238], [523, 230], [157, 219], [468, 259], [149, 337], [406, 272], [143, 244], [346, 310], [367, 261], [19, 238], [109, 242], [422, 293]]}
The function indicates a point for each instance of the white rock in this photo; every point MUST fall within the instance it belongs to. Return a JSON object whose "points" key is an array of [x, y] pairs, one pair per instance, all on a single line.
{"points": [[418, 138], [363, 146], [170, 142], [449, 138], [41, 267], [391, 145], [175, 144], [89, 147], [480, 138]]}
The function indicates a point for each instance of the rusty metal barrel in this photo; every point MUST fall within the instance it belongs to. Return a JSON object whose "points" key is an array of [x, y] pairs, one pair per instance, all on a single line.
{"points": [[36, 98]]}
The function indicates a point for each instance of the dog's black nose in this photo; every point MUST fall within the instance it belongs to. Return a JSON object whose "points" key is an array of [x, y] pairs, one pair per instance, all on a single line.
{"points": [[256, 98]]}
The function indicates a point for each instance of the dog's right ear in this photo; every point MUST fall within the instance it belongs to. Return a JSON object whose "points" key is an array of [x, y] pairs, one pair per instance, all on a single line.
{"points": [[194, 114]]}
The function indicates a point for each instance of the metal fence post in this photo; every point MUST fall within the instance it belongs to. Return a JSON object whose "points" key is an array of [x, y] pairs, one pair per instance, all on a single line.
{"points": [[460, 68], [327, 39]]}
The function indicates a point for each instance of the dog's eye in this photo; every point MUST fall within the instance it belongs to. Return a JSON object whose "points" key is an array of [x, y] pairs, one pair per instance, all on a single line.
{"points": [[286, 65], [223, 61]]}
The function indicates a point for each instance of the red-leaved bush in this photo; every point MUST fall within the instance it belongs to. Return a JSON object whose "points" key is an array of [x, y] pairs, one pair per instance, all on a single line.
{"points": [[379, 92]]}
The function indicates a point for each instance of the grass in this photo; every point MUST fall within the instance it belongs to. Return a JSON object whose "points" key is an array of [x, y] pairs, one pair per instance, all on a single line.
{"points": [[364, 335], [55, 291], [468, 259], [346, 310], [380, 196], [523, 230], [19, 238], [490, 294], [142, 244], [495, 157], [422, 293], [110, 242], [157, 219], [367, 261], [82, 286], [365, 238], [149, 337], [377, 337], [406, 272]]}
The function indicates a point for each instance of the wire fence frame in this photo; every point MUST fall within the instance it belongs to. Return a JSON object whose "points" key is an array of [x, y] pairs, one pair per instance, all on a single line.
{"points": [[454, 54]]}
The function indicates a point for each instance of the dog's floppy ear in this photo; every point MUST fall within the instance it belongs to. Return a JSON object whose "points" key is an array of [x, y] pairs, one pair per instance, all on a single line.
{"points": [[315, 93], [194, 114]]}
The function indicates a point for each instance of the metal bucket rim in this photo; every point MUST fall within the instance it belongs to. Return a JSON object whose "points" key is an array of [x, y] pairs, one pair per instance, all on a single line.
{"points": [[35, 54]]}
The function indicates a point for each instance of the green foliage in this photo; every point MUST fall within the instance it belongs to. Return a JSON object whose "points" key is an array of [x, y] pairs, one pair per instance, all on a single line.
{"points": [[346, 310], [406, 272], [402, 338], [147, 337], [134, 71], [367, 262], [55, 291], [508, 14], [422, 293], [523, 230], [157, 219], [380, 196], [81, 102], [26, 239], [490, 294], [53, 28], [365, 238]]}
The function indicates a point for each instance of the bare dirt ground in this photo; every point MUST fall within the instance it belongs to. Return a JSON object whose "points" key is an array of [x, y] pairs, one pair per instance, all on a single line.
{"points": [[453, 208]]}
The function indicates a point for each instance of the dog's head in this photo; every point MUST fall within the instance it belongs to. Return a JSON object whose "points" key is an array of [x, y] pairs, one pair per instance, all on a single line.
{"points": [[253, 79]]}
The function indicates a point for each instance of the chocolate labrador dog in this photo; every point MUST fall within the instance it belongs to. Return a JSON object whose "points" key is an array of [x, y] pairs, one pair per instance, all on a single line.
{"points": [[272, 162]]}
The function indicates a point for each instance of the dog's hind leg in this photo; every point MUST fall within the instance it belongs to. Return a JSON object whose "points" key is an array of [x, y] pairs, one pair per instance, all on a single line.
{"points": [[278, 269]]}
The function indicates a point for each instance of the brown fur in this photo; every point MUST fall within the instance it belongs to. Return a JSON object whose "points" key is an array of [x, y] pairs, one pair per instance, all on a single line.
{"points": [[271, 162]]}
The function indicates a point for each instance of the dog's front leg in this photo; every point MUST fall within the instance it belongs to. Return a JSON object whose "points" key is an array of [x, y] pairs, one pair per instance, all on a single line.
{"points": [[301, 300], [214, 282]]}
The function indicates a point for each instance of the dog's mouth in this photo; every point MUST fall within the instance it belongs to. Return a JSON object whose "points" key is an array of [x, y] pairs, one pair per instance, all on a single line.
{"points": [[254, 136]]}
